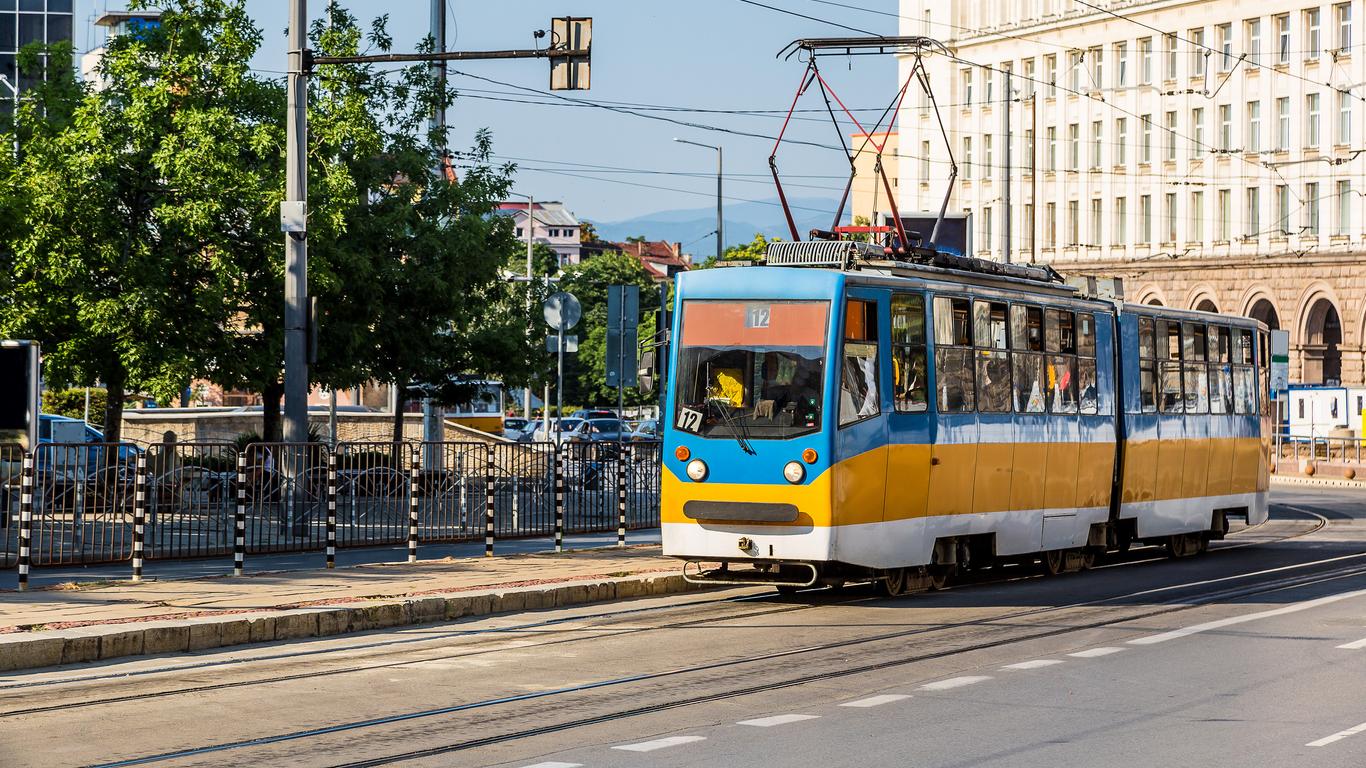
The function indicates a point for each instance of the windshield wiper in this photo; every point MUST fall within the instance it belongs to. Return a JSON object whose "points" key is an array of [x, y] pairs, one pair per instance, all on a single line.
{"points": [[737, 427]]}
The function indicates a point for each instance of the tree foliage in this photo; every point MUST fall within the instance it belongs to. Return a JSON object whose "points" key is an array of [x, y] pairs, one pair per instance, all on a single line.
{"points": [[586, 372]]}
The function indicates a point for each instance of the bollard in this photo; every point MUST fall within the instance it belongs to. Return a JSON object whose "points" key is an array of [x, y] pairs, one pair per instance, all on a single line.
{"points": [[331, 510], [559, 498], [25, 521], [488, 504], [415, 466], [239, 541], [139, 514], [622, 461]]}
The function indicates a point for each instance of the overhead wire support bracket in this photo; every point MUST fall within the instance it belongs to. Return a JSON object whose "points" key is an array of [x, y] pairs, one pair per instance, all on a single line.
{"points": [[862, 46]]}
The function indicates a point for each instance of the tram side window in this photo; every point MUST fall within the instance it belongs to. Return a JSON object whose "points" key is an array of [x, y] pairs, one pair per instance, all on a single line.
{"points": [[1086, 362], [990, 325], [953, 354], [858, 376], [1147, 365], [910, 392], [1193, 349], [1220, 370], [1244, 377], [1060, 341], [1170, 399], [1026, 342]]}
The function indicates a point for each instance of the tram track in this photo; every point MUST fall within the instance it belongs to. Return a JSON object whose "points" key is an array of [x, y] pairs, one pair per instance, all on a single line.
{"points": [[581, 634], [1343, 568]]}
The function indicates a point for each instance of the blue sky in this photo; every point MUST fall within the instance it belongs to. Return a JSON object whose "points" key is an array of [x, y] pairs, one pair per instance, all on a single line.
{"points": [[712, 54]]}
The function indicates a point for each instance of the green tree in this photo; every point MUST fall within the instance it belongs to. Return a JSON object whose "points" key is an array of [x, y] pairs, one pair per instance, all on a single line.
{"points": [[586, 372], [751, 251], [545, 262]]}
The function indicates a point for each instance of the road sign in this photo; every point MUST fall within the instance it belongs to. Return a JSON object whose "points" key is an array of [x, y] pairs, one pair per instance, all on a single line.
{"points": [[623, 306], [572, 51], [623, 316], [1280, 361], [571, 343], [562, 310]]}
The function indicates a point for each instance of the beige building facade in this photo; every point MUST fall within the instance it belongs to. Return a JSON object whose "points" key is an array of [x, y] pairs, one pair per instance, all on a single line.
{"points": [[868, 195], [1208, 151]]}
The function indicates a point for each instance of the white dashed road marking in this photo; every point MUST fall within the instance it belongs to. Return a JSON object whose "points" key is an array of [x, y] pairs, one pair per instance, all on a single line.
{"points": [[769, 722], [1221, 623], [650, 746], [1035, 664], [876, 701], [1091, 653], [1339, 736], [1353, 646], [954, 682]]}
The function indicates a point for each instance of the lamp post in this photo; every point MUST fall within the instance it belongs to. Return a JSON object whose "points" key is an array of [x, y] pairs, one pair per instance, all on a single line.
{"points": [[720, 225], [530, 239]]}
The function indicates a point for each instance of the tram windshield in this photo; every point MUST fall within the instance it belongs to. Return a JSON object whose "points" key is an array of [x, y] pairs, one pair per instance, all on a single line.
{"points": [[751, 369]]}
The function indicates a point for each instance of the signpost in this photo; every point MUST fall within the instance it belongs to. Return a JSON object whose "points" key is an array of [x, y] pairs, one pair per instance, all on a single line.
{"points": [[19, 404], [623, 318], [562, 312]]}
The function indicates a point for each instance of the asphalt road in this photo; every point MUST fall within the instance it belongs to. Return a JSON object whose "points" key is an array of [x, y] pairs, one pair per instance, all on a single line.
{"points": [[1252, 655]]}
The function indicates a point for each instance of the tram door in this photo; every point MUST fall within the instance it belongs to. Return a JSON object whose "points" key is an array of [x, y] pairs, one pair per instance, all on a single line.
{"points": [[861, 469], [908, 422]]}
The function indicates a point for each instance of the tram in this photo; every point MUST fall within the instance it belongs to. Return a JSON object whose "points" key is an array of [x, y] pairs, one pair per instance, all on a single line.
{"points": [[484, 408], [835, 415]]}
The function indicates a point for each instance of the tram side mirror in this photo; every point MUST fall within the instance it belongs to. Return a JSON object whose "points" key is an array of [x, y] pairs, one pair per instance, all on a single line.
{"points": [[646, 372]]}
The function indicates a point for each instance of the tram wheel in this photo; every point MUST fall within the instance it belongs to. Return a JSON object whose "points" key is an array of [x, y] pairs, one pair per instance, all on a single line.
{"points": [[1088, 559], [1182, 545], [1054, 562], [894, 583], [939, 576]]}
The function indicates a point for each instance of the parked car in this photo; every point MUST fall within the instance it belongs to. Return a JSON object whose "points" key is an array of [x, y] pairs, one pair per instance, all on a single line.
{"points": [[645, 430], [565, 426], [586, 413], [515, 427], [64, 429]]}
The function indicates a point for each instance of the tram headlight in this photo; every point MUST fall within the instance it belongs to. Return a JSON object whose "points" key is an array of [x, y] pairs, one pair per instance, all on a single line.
{"points": [[794, 472], [697, 470]]}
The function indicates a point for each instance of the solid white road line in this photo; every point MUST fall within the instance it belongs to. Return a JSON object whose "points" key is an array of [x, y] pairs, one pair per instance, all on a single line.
{"points": [[1221, 623], [954, 682], [876, 701], [1353, 646], [650, 746], [1091, 653], [1339, 736], [1035, 664], [769, 722]]}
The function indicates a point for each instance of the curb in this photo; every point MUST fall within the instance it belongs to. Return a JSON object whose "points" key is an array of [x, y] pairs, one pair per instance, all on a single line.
{"points": [[1323, 482], [31, 650]]}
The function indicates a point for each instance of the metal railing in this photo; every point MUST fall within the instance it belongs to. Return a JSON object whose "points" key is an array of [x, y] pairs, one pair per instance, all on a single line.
{"points": [[86, 505], [1314, 447]]}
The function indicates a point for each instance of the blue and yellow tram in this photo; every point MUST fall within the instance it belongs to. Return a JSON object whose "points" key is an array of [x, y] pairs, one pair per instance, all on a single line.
{"points": [[854, 419]]}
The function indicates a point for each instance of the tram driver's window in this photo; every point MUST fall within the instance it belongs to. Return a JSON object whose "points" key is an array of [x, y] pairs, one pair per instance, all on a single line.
{"points": [[1026, 343], [953, 367], [859, 397], [1060, 340], [910, 375]]}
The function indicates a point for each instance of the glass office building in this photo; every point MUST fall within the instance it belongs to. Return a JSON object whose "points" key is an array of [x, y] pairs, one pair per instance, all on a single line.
{"points": [[30, 21]]}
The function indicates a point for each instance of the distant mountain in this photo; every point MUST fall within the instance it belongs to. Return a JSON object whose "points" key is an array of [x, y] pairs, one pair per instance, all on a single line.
{"points": [[692, 226]]}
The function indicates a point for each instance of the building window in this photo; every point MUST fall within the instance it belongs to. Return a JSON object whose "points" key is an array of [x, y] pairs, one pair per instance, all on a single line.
{"points": [[966, 79], [1283, 209], [1073, 211], [1344, 14], [924, 161], [1027, 89], [1342, 227], [1282, 23], [1169, 48], [1254, 40], [1313, 44], [1344, 118], [1096, 137], [1074, 64], [1311, 208], [1225, 35], [1225, 214], [1283, 124], [1029, 147], [519, 232], [1051, 161], [1118, 234], [1029, 226], [1225, 127], [1145, 61], [1050, 225], [1145, 218], [1121, 65], [1197, 217], [1073, 147], [1254, 127], [1096, 58], [1254, 211], [991, 87], [988, 220], [1311, 117], [1169, 214], [1198, 126], [1198, 52], [1051, 65], [1169, 138], [1145, 147], [987, 164], [967, 157], [1093, 237], [1121, 141]]}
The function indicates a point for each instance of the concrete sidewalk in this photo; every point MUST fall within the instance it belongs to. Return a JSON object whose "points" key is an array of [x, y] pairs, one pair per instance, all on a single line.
{"points": [[96, 621]]}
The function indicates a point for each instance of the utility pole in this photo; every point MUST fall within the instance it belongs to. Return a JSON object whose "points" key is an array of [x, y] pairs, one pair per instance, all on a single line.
{"points": [[432, 431], [1006, 213], [530, 233], [294, 221], [720, 225]]}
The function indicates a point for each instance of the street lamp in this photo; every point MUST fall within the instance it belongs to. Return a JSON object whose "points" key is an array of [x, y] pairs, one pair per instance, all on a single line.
{"points": [[720, 226], [530, 238]]}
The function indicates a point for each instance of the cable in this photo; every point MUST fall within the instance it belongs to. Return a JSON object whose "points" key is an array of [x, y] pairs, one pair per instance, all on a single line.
{"points": [[811, 18]]}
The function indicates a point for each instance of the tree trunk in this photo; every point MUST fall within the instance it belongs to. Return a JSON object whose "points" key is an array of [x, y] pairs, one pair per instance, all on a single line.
{"points": [[115, 378], [400, 401], [272, 426]]}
